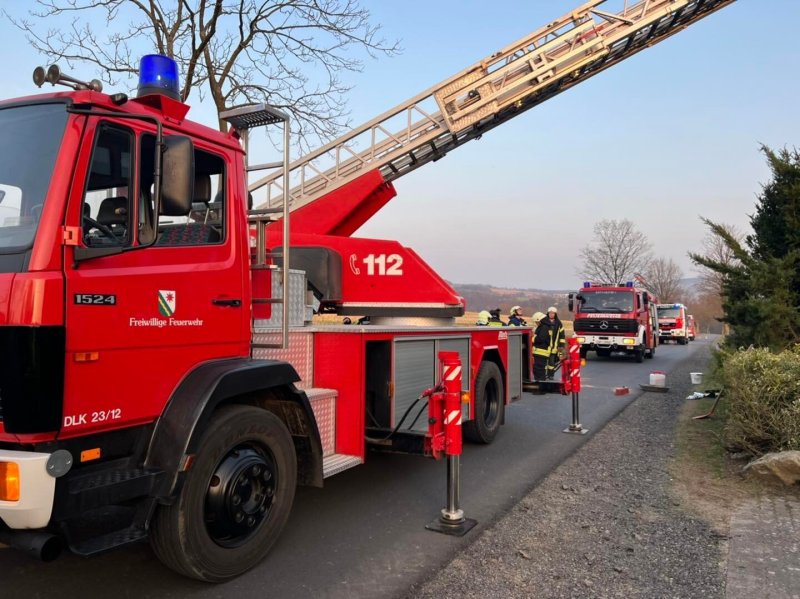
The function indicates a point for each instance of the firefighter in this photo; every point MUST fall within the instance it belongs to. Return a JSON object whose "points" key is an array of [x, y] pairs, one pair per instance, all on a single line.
{"points": [[495, 320], [541, 346], [483, 318], [515, 317], [558, 340]]}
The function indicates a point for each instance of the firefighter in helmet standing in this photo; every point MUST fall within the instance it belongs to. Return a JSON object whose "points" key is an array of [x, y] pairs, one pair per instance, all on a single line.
{"points": [[495, 320], [515, 317], [558, 340], [541, 346]]}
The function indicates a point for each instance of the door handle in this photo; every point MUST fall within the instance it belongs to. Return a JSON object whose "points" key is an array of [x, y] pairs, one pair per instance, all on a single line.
{"points": [[233, 303]]}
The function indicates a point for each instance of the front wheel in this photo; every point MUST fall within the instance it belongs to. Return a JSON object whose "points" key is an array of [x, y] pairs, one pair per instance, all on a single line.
{"points": [[638, 355], [489, 405], [683, 341], [235, 500], [651, 354]]}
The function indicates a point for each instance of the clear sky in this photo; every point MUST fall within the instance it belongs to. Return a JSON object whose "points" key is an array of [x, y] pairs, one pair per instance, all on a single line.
{"points": [[665, 136]]}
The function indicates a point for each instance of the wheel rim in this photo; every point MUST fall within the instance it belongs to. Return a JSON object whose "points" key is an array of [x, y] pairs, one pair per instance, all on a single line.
{"points": [[240, 495], [491, 404]]}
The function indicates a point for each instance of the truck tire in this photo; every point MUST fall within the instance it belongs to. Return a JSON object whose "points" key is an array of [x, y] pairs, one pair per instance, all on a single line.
{"points": [[584, 351], [650, 354], [489, 405], [638, 354], [235, 500], [683, 341], [603, 352]]}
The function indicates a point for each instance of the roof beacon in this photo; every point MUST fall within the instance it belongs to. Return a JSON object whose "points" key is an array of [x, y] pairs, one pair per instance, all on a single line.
{"points": [[158, 75]]}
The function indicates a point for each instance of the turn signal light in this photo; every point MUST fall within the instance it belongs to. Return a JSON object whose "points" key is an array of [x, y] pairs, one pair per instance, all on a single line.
{"points": [[465, 397], [9, 481], [629, 341], [581, 339]]}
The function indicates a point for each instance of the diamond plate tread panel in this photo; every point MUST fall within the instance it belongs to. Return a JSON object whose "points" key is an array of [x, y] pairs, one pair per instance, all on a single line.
{"points": [[323, 403], [338, 462], [297, 301], [300, 353]]}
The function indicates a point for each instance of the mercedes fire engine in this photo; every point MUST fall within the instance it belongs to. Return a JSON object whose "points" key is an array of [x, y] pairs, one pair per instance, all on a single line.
{"points": [[612, 319], [161, 376]]}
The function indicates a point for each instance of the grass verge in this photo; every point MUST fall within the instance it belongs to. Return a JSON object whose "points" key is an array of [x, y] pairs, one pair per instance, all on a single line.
{"points": [[705, 479]]}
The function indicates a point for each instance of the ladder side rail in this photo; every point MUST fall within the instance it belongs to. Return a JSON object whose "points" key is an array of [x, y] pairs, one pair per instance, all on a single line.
{"points": [[581, 48], [550, 30]]}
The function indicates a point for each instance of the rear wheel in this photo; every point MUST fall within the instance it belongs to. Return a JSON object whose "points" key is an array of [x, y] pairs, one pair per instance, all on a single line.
{"points": [[235, 500], [682, 340], [489, 405]]}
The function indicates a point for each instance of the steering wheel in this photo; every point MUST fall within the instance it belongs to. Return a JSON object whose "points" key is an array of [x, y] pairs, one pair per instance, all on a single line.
{"points": [[106, 231]]}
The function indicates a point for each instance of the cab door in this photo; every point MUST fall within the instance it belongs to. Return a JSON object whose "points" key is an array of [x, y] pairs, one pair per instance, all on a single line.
{"points": [[140, 318]]}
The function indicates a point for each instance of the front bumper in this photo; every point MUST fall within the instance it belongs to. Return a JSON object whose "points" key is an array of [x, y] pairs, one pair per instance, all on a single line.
{"points": [[612, 342], [37, 489], [672, 333]]}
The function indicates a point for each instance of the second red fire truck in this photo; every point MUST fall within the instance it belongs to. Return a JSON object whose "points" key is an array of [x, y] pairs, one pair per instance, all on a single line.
{"points": [[615, 320]]}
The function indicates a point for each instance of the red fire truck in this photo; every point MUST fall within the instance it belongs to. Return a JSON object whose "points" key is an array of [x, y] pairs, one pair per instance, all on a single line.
{"points": [[160, 374], [673, 323], [612, 319]]}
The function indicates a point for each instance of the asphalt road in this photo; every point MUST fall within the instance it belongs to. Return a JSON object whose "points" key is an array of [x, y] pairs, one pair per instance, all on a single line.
{"points": [[364, 534]]}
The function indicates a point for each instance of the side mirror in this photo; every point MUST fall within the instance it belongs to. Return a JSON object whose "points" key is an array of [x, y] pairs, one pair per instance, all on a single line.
{"points": [[646, 298], [570, 300], [177, 176]]}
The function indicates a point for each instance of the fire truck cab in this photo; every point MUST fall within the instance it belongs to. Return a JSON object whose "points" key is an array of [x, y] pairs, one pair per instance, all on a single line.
{"points": [[673, 323], [615, 319]]}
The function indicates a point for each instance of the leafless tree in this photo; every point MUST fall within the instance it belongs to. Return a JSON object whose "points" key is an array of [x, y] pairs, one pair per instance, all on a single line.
{"points": [[287, 53], [618, 253], [663, 277], [718, 251]]}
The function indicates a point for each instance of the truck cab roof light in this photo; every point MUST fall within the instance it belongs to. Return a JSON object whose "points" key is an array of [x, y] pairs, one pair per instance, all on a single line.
{"points": [[158, 75]]}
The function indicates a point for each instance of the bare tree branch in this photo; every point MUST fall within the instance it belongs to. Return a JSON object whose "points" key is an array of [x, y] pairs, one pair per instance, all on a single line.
{"points": [[663, 277], [618, 253], [289, 53]]}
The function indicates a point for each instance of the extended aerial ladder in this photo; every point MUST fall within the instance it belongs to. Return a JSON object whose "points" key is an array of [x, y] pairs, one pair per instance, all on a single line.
{"points": [[336, 188]]}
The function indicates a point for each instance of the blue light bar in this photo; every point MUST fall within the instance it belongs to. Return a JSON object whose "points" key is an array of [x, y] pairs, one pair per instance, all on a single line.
{"points": [[587, 284], [158, 75], [629, 284]]}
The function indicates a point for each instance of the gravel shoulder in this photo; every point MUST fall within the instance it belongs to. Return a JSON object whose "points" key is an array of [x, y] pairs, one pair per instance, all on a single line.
{"points": [[605, 523]]}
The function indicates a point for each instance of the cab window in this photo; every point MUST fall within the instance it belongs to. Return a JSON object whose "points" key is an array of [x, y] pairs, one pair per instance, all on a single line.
{"points": [[205, 223], [105, 210]]}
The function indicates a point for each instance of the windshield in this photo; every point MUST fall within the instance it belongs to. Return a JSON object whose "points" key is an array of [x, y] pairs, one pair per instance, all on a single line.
{"points": [[670, 312], [606, 301], [31, 139]]}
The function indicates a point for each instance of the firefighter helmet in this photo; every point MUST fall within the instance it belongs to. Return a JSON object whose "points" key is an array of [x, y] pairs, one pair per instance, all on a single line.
{"points": [[552, 309], [537, 317], [483, 317], [515, 309]]}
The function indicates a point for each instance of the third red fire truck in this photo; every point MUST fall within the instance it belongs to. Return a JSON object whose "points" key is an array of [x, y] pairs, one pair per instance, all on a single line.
{"points": [[161, 375]]}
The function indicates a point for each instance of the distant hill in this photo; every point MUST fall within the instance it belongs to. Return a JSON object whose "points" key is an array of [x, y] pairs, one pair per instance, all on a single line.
{"points": [[487, 297]]}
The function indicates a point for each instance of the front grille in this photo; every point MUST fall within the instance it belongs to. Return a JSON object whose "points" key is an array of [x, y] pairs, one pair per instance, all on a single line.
{"points": [[606, 326]]}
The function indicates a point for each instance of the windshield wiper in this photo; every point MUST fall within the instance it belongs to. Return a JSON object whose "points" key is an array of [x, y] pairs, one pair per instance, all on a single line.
{"points": [[612, 309], [588, 309]]}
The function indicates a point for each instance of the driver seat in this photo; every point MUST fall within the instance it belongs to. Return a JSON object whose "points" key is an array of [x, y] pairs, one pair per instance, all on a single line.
{"points": [[113, 213]]}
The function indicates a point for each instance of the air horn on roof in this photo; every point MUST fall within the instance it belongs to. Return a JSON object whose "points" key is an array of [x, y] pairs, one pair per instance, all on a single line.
{"points": [[54, 76]]}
